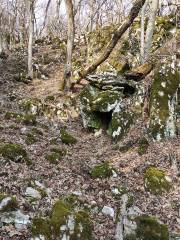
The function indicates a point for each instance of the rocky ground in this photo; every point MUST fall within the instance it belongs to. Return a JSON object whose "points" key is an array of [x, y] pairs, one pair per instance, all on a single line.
{"points": [[71, 173]]}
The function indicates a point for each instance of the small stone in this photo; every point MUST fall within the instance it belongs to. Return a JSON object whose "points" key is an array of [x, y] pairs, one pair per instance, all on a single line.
{"points": [[33, 193], [98, 133], [16, 217], [108, 211]]}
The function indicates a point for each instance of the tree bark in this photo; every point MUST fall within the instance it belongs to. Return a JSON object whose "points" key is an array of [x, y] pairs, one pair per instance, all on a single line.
{"points": [[115, 38], [142, 31], [30, 42], [150, 28], [70, 44], [46, 16]]}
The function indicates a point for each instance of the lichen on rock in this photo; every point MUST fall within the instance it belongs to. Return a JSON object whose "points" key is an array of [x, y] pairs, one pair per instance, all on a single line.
{"points": [[156, 181], [121, 122], [163, 100]]}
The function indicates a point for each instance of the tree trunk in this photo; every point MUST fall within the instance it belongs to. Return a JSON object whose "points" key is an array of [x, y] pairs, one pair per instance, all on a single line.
{"points": [[115, 38], [150, 28], [70, 44], [30, 43], [46, 16], [142, 31]]}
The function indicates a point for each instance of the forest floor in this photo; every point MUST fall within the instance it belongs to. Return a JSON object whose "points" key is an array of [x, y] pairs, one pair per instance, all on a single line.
{"points": [[71, 174]]}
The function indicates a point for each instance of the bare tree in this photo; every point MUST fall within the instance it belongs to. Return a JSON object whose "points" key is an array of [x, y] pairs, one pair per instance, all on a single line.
{"points": [[115, 38], [150, 28], [70, 43], [30, 42], [143, 31]]}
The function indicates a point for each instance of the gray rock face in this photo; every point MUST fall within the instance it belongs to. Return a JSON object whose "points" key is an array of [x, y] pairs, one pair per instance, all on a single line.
{"points": [[101, 104], [108, 211], [19, 219], [164, 99], [33, 193]]}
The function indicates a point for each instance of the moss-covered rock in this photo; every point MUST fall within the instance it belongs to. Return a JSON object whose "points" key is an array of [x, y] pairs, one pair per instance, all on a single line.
{"points": [[31, 106], [148, 228], [65, 222], [143, 146], [66, 137], [163, 100], [54, 157], [7, 203], [41, 227], [103, 170], [14, 152], [91, 120], [156, 181], [105, 101], [121, 122]]}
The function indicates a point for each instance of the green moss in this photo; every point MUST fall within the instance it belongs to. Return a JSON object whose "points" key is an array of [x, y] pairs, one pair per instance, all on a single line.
{"points": [[143, 146], [126, 147], [37, 131], [12, 115], [82, 222], [14, 127], [67, 138], [130, 201], [50, 98], [29, 119], [54, 141], [105, 101], [61, 151], [41, 226], [30, 139], [31, 105], [156, 181], [63, 214], [14, 152], [54, 157], [103, 170], [11, 205], [148, 228], [130, 237], [60, 212]]}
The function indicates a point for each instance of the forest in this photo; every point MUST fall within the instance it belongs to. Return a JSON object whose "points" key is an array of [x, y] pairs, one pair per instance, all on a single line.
{"points": [[89, 120]]}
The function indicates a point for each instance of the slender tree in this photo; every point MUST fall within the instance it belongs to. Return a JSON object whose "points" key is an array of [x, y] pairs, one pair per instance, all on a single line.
{"points": [[143, 31], [70, 43], [30, 41], [150, 28]]}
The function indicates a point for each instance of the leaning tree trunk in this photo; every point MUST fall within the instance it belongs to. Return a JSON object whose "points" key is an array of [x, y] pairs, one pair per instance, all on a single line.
{"points": [[150, 28], [30, 42], [115, 38], [70, 44]]}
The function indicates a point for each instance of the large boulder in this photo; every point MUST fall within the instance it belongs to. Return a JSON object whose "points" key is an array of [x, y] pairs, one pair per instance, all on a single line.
{"points": [[101, 104], [164, 99]]}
